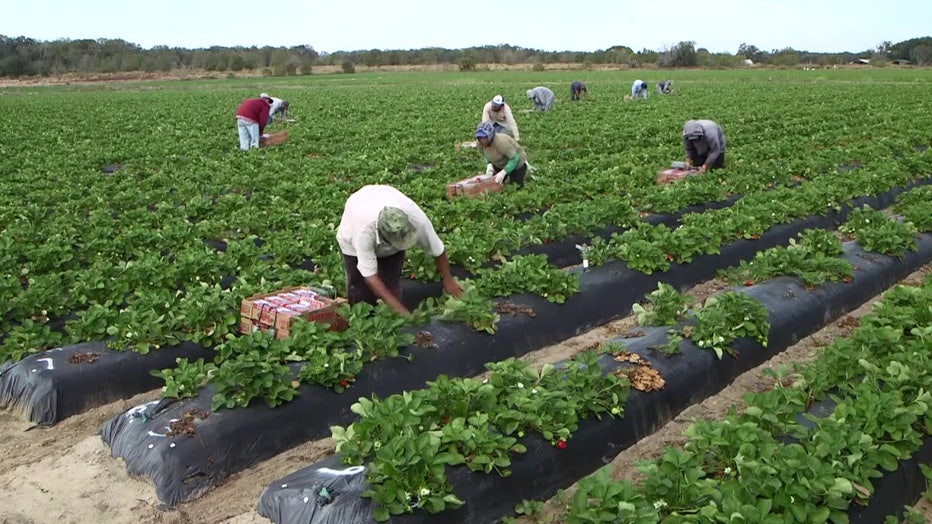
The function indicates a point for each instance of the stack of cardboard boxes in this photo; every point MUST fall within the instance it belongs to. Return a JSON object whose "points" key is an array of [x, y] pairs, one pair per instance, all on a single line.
{"points": [[276, 311]]}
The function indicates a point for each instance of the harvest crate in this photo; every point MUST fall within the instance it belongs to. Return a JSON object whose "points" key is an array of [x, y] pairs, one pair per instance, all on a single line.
{"points": [[474, 186], [273, 139], [673, 174], [278, 310]]}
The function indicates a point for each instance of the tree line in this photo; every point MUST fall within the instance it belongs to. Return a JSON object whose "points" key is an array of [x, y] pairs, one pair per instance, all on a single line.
{"points": [[22, 56]]}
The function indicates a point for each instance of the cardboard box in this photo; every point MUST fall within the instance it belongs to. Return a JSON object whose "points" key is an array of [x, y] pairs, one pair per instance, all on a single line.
{"points": [[278, 310], [673, 174], [273, 139], [474, 186]]}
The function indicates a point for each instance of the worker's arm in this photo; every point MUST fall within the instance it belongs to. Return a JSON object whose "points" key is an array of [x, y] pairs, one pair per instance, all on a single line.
{"points": [[381, 290]]}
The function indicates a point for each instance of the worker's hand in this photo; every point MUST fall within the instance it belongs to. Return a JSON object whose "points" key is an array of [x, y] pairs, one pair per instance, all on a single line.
{"points": [[489, 170], [500, 177], [702, 168], [452, 287]]}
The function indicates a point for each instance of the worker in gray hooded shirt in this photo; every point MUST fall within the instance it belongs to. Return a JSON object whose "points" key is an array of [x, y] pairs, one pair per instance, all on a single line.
{"points": [[541, 96], [704, 141]]}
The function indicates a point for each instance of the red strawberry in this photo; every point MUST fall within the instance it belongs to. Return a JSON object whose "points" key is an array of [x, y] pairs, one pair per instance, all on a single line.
{"points": [[344, 383], [561, 444], [847, 280], [749, 283], [412, 276], [669, 257]]}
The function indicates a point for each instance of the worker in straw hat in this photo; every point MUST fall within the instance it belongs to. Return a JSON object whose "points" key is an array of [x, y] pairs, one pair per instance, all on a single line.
{"points": [[498, 112], [378, 226]]}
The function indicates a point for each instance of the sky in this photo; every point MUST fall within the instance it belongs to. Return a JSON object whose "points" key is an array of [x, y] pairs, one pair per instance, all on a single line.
{"points": [[564, 25]]}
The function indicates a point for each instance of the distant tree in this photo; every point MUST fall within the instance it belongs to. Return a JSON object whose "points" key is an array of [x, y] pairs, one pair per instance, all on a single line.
{"points": [[921, 54], [682, 54], [647, 56], [348, 66], [787, 57], [751, 52], [467, 63], [903, 50]]}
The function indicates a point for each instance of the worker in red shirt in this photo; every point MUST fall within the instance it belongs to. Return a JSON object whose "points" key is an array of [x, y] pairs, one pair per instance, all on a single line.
{"points": [[251, 118]]}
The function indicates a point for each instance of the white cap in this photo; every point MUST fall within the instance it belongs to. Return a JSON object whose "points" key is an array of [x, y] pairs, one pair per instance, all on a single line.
{"points": [[497, 100], [264, 95]]}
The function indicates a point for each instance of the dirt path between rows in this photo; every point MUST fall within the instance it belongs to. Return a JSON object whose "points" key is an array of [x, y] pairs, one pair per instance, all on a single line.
{"points": [[65, 474]]}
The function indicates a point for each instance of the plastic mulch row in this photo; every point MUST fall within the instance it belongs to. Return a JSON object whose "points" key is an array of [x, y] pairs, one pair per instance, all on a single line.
{"points": [[231, 440], [691, 376]]}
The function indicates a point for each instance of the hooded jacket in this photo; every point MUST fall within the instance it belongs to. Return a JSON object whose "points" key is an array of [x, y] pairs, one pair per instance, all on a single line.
{"points": [[703, 138]]}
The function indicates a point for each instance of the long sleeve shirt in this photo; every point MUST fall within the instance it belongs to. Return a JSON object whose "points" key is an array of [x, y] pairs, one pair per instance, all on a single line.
{"points": [[504, 153], [541, 96], [503, 116], [639, 89], [255, 110], [710, 144]]}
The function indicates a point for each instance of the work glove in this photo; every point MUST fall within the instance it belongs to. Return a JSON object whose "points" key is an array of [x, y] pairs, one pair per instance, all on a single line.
{"points": [[489, 170], [500, 177], [530, 168]]}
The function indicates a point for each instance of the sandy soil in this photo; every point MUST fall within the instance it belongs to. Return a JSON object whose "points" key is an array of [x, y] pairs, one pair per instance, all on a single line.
{"points": [[65, 474]]}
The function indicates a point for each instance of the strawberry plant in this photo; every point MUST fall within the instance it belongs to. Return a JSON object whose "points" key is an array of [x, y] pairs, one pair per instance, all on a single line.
{"points": [[915, 206], [527, 274], [666, 306], [207, 315], [186, 379], [878, 233], [328, 360], [253, 367], [27, 338], [375, 330], [726, 317]]}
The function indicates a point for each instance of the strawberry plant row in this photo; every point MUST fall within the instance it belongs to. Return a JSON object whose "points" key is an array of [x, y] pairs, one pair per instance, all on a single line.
{"points": [[840, 439], [694, 373], [606, 293], [137, 375], [168, 198]]}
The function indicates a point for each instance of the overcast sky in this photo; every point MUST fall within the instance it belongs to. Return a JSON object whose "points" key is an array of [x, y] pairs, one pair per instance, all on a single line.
{"points": [[575, 25]]}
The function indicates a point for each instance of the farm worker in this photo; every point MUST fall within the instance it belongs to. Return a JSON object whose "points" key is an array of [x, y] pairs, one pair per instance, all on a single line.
{"points": [[665, 87], [279, 107], [576, 90], [639, 89], [251, 119], [504, 157], [379, 224], [704, 141], [541, 96], [499, 113]]}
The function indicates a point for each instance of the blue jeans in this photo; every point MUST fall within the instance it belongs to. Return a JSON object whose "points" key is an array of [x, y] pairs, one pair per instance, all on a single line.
{"points": [[248, 133]]}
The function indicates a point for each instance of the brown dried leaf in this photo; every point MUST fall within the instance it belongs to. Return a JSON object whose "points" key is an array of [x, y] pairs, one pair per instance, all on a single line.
{"points": [[643, 378]]}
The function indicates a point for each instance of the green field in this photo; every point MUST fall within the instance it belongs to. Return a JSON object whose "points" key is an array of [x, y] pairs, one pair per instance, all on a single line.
{"points": [[75, 238], [131, 256]]}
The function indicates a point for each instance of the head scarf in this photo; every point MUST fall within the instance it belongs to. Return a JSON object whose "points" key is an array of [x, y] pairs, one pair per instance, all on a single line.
{"points": [[485, 129], [693, 130]]}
